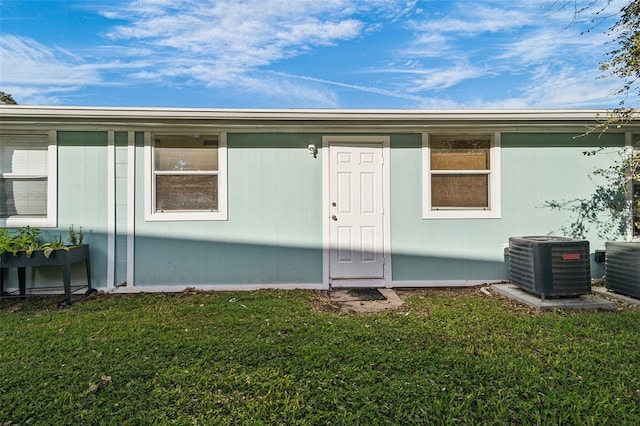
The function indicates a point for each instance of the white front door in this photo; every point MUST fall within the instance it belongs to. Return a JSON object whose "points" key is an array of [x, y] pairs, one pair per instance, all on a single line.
{"points": [[356, 214]]}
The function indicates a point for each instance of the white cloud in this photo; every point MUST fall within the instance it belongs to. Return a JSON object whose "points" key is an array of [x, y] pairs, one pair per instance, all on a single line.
{"points": [[241, 46], [473, 19], [536, 47], [565, 87], [282, 87], [234, 36], [416, 79], [227, 43], [357, 87], [430, 45], [541, 45], [553, 87], [25, 61], [441, 78], [39, 95], [39, 74]]}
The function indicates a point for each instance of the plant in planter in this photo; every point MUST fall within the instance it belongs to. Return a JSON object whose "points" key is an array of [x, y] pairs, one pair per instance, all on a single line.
{"points": [[25, 239], [76, 238], [23, 249]]}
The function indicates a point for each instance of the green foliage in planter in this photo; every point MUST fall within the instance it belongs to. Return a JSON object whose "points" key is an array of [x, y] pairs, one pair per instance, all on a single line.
{"points": [[76, 238], [57, 244], [27, 239], [24, 239]]}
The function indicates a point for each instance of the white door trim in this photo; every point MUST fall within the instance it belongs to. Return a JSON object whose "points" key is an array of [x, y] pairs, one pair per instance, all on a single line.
{"points": [[326, 201]]}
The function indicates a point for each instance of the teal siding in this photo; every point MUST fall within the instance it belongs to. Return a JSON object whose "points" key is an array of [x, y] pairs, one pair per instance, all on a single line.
{"points": [[535, 168], [274, 231], [273, 234], [82, 202]]}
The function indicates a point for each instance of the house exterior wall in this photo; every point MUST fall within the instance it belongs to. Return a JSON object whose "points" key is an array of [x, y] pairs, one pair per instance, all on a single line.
{"points": [[274, 230], [536, 168], [273, 235], [82, 202]]}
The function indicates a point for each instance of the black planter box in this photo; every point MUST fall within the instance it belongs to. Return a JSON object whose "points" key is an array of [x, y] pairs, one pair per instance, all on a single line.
{"points": [[61, 258]]}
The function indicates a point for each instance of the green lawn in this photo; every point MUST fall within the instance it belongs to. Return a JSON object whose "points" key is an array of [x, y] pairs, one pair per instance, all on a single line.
{"points": [[276, 357]]}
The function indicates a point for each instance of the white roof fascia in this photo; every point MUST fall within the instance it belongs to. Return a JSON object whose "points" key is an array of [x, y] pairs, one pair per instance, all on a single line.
{"points": [[288, 120], [296, 114]]}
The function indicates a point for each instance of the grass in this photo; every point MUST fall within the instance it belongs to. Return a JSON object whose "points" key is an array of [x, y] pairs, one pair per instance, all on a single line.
{"points": [[275, 357]]}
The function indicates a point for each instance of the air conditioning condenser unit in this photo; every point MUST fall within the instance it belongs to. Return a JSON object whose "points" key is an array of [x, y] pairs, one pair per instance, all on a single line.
{"points": [[622, 266], [550, 267]]}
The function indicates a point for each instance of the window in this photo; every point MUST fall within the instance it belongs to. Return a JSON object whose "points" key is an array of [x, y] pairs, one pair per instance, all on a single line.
{"points": [[28, 180], [188, 177], [461, 176]]}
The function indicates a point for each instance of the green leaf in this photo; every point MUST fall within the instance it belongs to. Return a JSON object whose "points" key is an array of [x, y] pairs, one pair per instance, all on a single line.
{"points": [[47, 252]]}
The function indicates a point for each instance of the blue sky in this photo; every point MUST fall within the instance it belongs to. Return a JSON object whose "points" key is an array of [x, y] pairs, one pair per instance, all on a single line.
{"points": [[389, 54]]}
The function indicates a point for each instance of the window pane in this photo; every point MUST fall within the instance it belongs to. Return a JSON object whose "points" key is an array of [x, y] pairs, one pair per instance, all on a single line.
{"points": [[186, 153], [24, 154], [460, 191], [25, 197], [449, 153], [186, 192]]}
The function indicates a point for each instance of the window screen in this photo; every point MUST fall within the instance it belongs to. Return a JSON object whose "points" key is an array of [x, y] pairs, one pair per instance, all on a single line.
{"points": [[185, 173], [459, 172]]}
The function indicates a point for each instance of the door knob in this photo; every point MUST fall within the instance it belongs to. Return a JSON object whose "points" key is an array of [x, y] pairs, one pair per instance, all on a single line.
{"points": [[334, 217]]}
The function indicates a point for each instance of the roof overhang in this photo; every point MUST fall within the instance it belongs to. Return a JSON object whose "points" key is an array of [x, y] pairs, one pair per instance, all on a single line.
{"points": [[284, 120]]}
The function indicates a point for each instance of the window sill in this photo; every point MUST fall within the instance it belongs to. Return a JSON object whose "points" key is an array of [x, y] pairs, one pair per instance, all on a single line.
{"points": [[186, 216], [21, 222], [462, 214]]}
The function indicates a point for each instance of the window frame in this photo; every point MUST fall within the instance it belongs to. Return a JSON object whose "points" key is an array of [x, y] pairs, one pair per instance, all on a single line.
{"points": [[150, 189], [51, 218], [493, 173]]}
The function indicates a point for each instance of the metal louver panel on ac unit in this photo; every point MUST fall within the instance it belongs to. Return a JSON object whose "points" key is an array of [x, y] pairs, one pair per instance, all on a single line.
{"points": [[622, 265]]}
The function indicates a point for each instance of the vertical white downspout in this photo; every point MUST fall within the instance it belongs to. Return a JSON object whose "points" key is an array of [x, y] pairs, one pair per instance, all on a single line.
{"points": [[628, 152], [131, 207], [111, 209]]}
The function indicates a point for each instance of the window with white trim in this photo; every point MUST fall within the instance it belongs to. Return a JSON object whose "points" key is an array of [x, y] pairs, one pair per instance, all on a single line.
{"points": [[461, 176], [28, 176], [187, 178]]}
